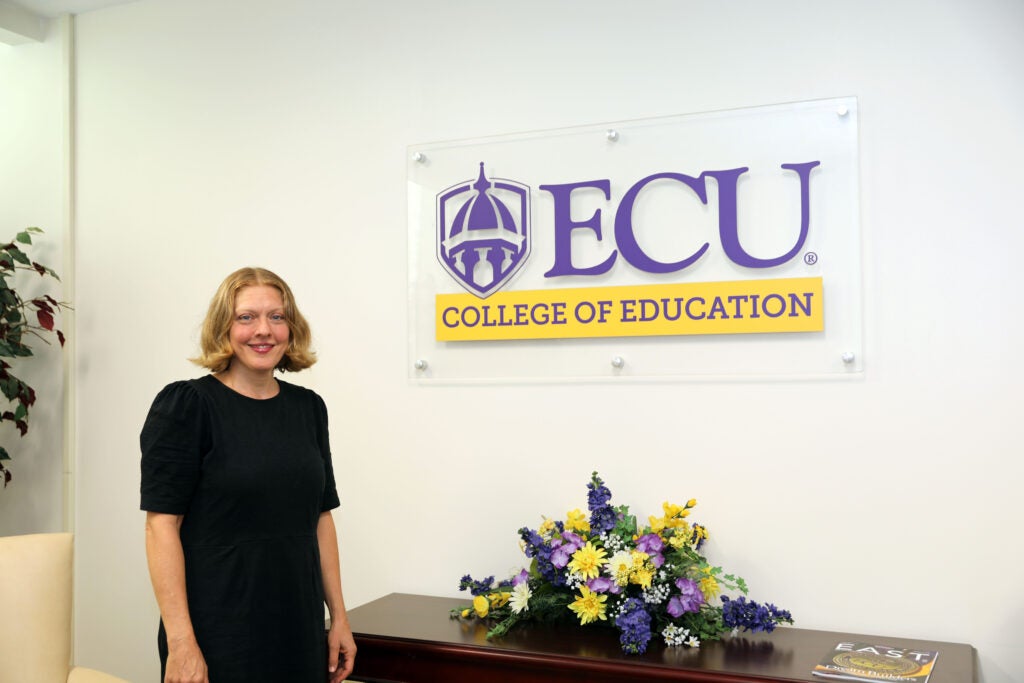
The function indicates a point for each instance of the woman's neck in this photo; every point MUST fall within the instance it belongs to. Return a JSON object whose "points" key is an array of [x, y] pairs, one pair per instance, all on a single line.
{"points": [[254, 385]]}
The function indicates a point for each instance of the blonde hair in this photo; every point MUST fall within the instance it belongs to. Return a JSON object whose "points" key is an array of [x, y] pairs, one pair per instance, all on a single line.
{"points": [[214, 342]]}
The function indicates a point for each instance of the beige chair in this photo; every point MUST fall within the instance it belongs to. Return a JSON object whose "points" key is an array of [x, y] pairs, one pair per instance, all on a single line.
{"points": [[35, 612]]}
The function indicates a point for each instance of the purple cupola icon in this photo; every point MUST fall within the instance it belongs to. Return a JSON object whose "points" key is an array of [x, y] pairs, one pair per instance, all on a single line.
{"points": [[484, 244]]}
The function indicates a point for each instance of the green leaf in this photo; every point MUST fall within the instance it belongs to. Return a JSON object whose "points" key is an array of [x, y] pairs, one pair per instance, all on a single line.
{"points": [[9, 388], [18, 255], [24, 237], [3, 454]]}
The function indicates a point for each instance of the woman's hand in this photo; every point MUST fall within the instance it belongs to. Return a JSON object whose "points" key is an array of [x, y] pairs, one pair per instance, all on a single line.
{"points": [[341, 651], [185, 662]]}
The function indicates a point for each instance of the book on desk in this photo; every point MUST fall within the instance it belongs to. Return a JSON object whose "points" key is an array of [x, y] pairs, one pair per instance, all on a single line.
{"points": [[871, 662]]}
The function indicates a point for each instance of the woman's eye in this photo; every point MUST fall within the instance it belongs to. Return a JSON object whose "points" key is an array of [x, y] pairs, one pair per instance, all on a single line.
{"points": [[244, 318]]}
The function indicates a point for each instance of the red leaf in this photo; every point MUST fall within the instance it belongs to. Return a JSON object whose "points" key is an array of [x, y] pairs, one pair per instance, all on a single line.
{"points": [[45, 319], [22, 426], [7, 477], [60, 336]]}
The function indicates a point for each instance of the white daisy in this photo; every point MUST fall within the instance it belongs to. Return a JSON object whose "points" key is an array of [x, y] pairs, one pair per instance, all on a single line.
{"points": [[519, 602]]}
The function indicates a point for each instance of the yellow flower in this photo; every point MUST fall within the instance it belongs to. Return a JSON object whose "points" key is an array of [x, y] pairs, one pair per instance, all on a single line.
{"points": [[642, 577], [499, 599], [657, 524], [481, 606], [576, 521], [641, 571], [465, 613], [588, 561], [546, 528], [589, 606], [708, 584], [681, 536], [639, 559], [674, 514]]}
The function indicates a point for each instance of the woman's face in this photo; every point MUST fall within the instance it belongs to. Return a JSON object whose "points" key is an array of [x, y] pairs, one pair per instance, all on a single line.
{"points": [[259, 332]]}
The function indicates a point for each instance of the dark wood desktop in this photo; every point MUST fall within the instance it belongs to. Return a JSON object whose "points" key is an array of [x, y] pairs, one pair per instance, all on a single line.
{"points": [[411, 639]]}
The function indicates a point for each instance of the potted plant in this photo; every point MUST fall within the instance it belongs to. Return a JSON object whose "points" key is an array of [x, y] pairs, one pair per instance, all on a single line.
{"points": [[20, 320]]}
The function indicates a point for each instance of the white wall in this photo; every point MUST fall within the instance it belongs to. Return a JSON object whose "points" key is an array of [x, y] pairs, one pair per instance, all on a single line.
{"points": [[33, 141], [217, 134]]}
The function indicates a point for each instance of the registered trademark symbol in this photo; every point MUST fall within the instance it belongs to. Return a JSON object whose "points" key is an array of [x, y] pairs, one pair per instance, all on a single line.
{"points": [[810, 258]]}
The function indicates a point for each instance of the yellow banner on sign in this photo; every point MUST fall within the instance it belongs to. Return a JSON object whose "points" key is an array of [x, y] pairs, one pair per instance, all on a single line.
{"points": [[734, 307]]}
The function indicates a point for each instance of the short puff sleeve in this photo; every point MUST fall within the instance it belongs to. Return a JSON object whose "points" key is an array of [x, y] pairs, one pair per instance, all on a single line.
{"points": [[173, 441], [330, 499]]}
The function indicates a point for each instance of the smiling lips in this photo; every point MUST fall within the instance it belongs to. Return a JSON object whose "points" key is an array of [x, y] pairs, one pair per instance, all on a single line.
{"points": [[261, 348]]}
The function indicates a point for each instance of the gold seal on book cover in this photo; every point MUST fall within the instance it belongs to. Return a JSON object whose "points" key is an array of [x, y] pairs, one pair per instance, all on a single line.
{"points": [[872, 663]]}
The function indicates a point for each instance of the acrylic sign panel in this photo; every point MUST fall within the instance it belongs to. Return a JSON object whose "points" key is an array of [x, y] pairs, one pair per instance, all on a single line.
{"points": [[713, 245]]}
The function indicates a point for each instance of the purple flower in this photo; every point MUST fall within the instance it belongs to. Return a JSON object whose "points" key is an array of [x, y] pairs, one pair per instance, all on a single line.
{"points": [[751, 616], [522, 577], [476, 587], [563, 548], [689, 600], [634, 624], [602, 515], [601, 584], [598, 494], [652, 545], [536, 547], [604, 519], [690, 590]]}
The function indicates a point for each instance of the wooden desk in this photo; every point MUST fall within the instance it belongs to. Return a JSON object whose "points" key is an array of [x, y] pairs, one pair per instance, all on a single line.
{"points": [[411, 639]]}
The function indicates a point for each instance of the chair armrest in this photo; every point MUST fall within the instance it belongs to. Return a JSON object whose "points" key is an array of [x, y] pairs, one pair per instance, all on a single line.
{"points": [[80, 674]]}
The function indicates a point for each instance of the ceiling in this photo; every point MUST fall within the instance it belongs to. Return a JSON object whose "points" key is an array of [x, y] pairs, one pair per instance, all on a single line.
{"points": [[55, 8]]}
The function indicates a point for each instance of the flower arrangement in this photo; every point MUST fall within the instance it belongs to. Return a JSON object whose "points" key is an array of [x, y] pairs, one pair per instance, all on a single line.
{"points": [[607, 569]]}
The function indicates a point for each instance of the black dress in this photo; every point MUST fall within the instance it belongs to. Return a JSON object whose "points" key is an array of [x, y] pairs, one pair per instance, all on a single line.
{"points": [[251, 478]]}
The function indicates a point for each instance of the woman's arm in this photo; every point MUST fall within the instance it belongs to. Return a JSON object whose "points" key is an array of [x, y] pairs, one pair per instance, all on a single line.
{"points": [[185, 662], [341, 655]]}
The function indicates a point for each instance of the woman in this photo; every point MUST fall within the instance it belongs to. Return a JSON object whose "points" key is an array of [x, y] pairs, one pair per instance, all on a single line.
{"points": [[238, 488]]}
